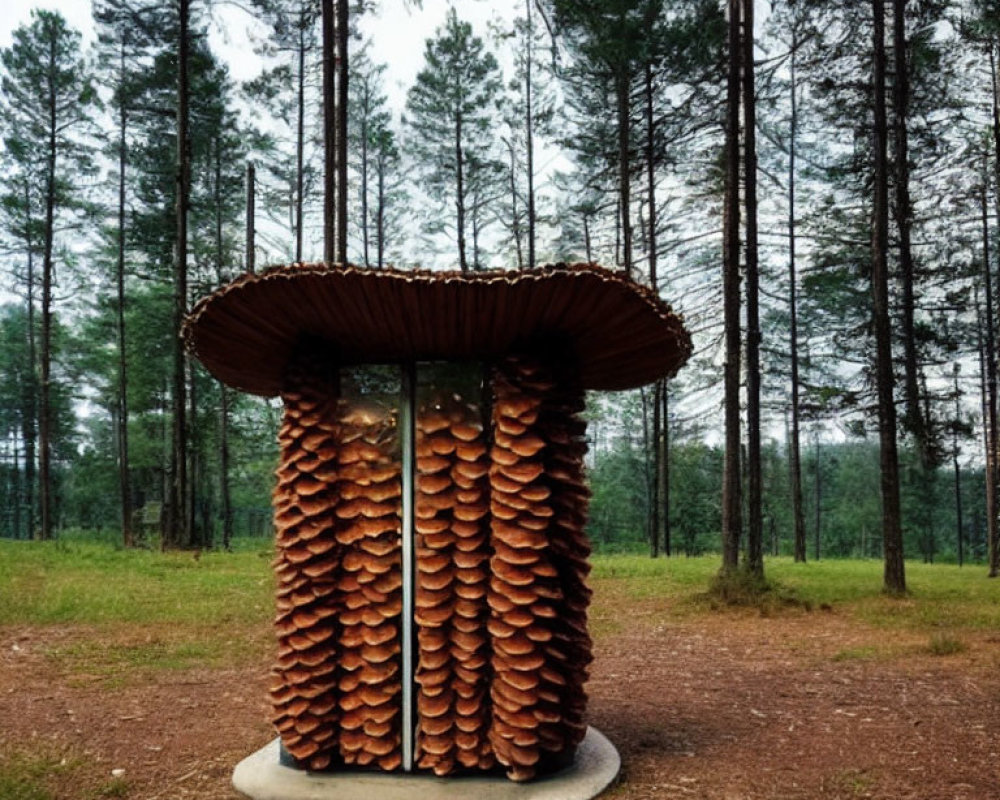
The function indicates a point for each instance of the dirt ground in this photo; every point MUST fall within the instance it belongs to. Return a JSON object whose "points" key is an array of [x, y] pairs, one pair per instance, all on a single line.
{"points": [[724, 706]]}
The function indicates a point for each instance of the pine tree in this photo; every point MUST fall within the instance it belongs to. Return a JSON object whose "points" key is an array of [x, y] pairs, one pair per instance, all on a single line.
{"points": [[449, 116], [123, 41], [47, 97], [284, 90]]}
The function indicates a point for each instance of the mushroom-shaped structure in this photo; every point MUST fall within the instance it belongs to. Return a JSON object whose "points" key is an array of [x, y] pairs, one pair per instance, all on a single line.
{"points": [[430, 502]]}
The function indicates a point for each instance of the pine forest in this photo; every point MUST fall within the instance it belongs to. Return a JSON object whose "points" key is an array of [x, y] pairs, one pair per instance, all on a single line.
{"points": [[814, 185]]}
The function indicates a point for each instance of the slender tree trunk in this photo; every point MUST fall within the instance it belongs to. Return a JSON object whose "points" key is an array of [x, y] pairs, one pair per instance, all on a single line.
{"points": [[17, 487], [179, 519], [30, 422], [892, 531], [380, 213], [989, 474], [818, 497], [460, 194], [251, 231], [329, 133], [300, 134], [795, 451], [654, 505], [220, 260], [124, 489], [45, 421], [624, 186], [755, 532], [514, 221], [227, 502], [366, 255], [914, 421], [651, 178], [529, 132], [343, 38], [529, 135], [665, 472], [474, 218], [993, 463], [989, 337], [648, 453], [958, 471], [732, 511], [586, 240], [196, 534]]}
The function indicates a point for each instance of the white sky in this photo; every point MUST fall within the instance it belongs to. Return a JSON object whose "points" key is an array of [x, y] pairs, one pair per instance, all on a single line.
{"points": [[398, 29]]}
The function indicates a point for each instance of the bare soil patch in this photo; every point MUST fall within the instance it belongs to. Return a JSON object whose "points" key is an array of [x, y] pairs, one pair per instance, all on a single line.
{"points": [[721, 706]]}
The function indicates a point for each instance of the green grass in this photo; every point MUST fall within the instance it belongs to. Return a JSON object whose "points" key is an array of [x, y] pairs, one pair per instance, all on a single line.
{"points": [[46, 583], [45, 775], [173, 611], [941, 644], [25, 778], [942, 597]]}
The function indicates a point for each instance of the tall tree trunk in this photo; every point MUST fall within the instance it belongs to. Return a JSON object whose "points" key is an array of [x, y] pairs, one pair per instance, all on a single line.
{"points": [[45, 411], [915, 422], [124, 489], [958, 471], [460, 195], [29, 424], [300, 132], [665, 472], [529, 135], [220, 257], [989, 337], [179, 519], [194, 530], [329, 133], [648, 452], [657, 438], [17, 487], [476, 227], [755, 527], [515, 223], [818, 498], [224, 484], [795, 451], [732, 511], [343, 37], [622, 87], [380, 213], [586, 240], [993, 465], [365, 252], [989, 473], [251, 231], [894, 578], [651, 178]]}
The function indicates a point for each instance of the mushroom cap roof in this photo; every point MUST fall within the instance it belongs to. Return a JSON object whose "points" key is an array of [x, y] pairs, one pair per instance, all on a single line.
{"points": [[620, 333]]}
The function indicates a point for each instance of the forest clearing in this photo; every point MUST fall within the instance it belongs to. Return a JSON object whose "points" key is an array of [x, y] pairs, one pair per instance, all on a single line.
{"points": [[142, 675]]}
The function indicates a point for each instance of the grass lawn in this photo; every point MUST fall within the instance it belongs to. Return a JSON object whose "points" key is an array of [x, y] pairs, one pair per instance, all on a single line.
{"points": [[120, 620]]}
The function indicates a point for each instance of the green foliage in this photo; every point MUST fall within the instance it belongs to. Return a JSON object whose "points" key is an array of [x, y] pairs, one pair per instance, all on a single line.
{"points": [[450, 113]]}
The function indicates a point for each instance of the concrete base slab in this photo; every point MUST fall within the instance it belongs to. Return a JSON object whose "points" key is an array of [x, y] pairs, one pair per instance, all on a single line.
{"points": [[261, 777]]}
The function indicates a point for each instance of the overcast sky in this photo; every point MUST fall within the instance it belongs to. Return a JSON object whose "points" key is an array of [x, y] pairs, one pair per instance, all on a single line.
{"points": [[398, 31]]}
